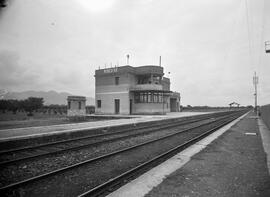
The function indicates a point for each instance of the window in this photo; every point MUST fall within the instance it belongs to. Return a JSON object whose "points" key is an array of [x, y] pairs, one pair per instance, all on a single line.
{"points": [[137, 98], [144, 79], [160, 98], [148, 97], [145, 97], [80, 105], [116, 80], [156, 79], [155, 97], [98, 103], [68, 104]]}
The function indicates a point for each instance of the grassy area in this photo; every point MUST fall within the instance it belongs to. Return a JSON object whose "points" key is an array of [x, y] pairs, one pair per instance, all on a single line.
{"points": [[20, 119], [23, 116]]}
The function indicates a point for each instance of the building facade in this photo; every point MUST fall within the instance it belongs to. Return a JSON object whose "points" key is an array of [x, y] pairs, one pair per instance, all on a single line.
{"points": [[76, 106], [134, 90]]}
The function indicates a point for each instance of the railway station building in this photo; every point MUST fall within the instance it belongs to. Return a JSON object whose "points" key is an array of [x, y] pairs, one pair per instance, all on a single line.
{"points": [[134, 90]]}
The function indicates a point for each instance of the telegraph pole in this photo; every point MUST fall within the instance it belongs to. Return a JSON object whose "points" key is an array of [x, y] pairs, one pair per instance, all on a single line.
{"points": [[255, 82]]}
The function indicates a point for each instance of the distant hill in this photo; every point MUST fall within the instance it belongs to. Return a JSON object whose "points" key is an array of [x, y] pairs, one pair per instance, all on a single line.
{"points": [[50, 97]]}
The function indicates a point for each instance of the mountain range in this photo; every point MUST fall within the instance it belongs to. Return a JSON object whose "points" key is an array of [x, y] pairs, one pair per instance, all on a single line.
{"points": [[50, 97]]}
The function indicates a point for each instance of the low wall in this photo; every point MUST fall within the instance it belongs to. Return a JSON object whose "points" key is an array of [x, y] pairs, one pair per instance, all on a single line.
{"points": [[265, 114], [76, 112], [150, 108]]}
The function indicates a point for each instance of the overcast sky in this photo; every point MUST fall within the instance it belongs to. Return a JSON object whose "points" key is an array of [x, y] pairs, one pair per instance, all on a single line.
{"points": [[204, 44]]}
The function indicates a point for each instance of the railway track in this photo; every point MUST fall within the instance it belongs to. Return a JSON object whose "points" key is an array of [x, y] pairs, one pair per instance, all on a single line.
{"points": [[74, 144], [6, 149], [8, 157], [31, 186], [105, 132]]}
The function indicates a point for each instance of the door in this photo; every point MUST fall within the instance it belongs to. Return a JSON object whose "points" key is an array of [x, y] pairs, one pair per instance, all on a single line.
{"points": [[116, 106], [172, 104], [130, 106]]}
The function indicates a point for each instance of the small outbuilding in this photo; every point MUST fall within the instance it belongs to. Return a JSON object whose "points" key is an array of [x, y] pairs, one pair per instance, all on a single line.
{"points": [[234, 104], [76, 106]]}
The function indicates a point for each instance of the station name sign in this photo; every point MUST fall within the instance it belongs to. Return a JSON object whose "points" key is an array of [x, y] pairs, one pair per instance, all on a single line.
{"points": [[110, 70]]}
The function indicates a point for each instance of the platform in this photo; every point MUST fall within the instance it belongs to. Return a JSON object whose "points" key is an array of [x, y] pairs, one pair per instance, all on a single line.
{"points": [[23, 133], [234, 161]]}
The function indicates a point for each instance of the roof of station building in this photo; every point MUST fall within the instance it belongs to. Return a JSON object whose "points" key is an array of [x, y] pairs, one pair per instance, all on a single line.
{"points": [[76, 98], [140, 70]]}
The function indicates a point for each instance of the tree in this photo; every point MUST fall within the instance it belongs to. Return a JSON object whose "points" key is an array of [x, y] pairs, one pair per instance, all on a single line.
{"points": [[4, 105], [14, 105], [32, 103]]}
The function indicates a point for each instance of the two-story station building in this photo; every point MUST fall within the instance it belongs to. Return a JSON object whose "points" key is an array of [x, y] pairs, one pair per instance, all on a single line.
{"points": [[134, 90]]}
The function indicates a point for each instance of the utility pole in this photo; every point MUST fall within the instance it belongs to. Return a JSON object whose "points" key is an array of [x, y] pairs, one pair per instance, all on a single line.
{"points": [[127, 59], [255, 82]]}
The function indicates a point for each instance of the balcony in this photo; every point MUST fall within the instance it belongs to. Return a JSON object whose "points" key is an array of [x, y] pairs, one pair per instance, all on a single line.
{"points": [[143, 87]]}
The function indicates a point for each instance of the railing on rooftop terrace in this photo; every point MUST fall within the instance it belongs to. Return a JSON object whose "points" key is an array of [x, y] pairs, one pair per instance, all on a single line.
{"points": [[147, 87]]}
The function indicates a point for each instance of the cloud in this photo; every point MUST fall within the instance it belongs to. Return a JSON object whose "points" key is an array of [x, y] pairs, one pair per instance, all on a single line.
{"points": [[13, 73], [204, 44]]}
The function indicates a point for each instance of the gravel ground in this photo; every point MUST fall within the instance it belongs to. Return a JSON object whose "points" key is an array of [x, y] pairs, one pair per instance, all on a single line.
{"points": [[233, 165], [76, 181]]}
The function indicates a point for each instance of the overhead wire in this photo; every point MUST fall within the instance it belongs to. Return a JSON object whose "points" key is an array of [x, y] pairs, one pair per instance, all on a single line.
{"points": [[262, 44], [249, 33], [233, 34]]}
